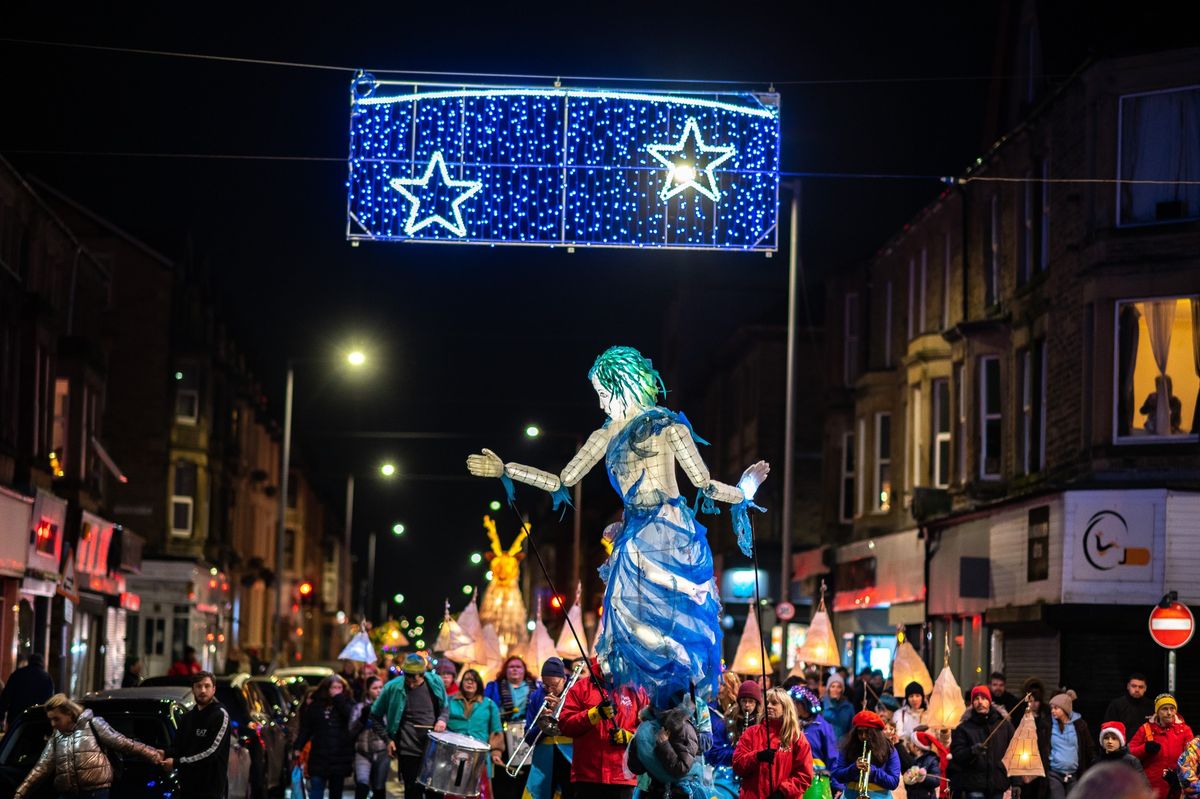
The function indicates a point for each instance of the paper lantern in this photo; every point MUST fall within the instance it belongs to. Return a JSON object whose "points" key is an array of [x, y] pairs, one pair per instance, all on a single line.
{"points": [[359, 648], [568, 647], [486, 658], [907, 667], [1022, 758], [820, 647], [541, 646], [468, 623], [946, 705], [749, 656], [451, 635]]}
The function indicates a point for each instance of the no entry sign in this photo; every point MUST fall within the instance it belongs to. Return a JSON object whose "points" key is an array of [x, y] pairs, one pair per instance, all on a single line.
{"points": [[1172, 627]]}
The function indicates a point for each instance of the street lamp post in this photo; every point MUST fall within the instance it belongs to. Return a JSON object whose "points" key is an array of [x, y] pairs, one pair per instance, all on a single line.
{"points": [[355, 359]]}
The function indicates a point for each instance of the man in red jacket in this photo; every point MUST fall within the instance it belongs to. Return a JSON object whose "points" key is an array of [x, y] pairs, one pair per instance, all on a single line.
{"points": [[602, 725], [1158, 744]]}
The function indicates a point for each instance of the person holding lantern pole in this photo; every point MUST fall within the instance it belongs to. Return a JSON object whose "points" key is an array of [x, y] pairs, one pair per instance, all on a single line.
{"points": [[977, 746]]}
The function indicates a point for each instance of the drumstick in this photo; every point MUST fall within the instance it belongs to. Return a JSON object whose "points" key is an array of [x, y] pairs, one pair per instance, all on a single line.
{"points": [[423, 726]]}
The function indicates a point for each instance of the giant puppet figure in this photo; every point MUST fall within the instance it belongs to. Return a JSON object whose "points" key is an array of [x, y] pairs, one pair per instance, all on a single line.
{"points": [[661, 604]]}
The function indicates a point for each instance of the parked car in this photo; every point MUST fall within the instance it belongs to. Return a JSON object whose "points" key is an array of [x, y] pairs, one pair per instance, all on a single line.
{"points": [[250, 719], [310, 674], [280, 705], [296, 689], [150, 715]]}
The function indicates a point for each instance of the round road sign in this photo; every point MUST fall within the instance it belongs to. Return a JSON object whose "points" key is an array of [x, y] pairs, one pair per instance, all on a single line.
{"points": [[785, 611], [1172, 627]]}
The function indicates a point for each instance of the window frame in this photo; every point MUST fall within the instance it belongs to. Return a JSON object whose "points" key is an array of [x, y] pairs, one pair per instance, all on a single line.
{"points": [[940, 437], [985, 417], [190, 502], [963, 419], [1131, 440], [877, 505], [181, 418], [1120, 147], [850, 338], [848, 482], [916, 409]]}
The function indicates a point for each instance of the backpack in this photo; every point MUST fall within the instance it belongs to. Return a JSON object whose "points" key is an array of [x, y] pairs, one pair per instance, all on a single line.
{"points": [[116, 760]]}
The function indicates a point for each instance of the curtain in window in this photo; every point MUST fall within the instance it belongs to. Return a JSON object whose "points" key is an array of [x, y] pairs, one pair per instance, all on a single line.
{"points": [[1196, 360], [1160, 318], [1128, 347], [1160, 140]]}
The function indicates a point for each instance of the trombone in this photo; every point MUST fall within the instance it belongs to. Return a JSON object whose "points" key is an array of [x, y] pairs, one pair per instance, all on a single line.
{"points": [[523, 754], [864, 775]]}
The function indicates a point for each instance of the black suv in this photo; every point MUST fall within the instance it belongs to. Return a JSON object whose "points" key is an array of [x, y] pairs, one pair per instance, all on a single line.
{"points": [[251, 721]]}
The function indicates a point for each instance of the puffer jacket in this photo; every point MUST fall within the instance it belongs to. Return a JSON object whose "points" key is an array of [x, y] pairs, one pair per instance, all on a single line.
{"points": [[77, 759], [369, 740]]}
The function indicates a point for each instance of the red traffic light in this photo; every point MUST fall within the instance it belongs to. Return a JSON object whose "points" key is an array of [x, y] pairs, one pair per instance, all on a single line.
{"points": [[306, 588]]}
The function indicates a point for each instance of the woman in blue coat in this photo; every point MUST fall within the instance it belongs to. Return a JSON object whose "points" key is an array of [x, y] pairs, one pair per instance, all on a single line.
{"points": [[817, 731]]}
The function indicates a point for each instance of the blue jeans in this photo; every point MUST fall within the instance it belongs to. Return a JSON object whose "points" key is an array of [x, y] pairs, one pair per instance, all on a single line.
{"points": [[317, 785]]}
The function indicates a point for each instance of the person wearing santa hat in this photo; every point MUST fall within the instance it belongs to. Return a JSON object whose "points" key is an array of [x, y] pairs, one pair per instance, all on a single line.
{"points": [[1113, 748], [977, 746], [923, 761], [881, 762], [1159, 743]]}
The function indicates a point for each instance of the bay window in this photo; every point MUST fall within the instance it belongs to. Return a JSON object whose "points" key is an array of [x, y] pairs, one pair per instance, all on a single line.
{"points": [[1157, 360], [1159, 141]]}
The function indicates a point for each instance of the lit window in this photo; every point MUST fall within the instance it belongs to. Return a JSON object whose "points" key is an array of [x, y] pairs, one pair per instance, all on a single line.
{"points": [[1157, 384], [883, 463]]}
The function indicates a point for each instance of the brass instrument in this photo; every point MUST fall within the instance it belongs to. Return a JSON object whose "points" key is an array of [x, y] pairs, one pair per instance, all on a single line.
{"points": [[523, 753], [864, 776]]}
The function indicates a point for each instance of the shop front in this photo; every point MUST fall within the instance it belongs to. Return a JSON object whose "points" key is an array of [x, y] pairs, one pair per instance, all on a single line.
{"points": [[16, 513], [34, 605], [182, 603], [880, 589]]}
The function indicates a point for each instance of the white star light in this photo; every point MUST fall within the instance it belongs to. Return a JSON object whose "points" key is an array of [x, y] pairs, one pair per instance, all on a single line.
{"points": [[688, 171], [456, 227]]}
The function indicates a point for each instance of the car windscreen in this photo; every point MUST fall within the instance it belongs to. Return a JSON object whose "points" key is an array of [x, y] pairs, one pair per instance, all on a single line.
{"points": [[234, 701], [23, 745]]}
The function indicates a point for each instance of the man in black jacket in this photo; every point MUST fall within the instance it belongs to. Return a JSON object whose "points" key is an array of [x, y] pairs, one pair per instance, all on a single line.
{"points": [[1134, 707], [201, 747], [976, 770], [28, 686]]}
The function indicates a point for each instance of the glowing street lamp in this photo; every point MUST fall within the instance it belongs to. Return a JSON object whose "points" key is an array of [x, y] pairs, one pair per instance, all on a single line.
{"points": [[467, 589], [356, 358], [533, 431], [388, 470], [398, 599], [398, 529], [476, 558], [494, 504]]}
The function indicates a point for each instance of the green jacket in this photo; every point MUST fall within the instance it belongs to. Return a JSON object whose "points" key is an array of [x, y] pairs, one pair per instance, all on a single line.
{"points": [[389, 707]]}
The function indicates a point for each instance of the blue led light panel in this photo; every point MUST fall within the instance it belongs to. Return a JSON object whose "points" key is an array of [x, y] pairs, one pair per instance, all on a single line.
{"points": [[562, 167]]}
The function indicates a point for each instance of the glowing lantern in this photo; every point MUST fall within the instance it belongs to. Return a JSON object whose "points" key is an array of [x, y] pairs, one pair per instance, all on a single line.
{"points": [[451, 635], [946, 705], [359, 648], [541, 646], [568, 648], [1022, 758], [749, 656], [820, 646], [468, 623], [908, 668]]}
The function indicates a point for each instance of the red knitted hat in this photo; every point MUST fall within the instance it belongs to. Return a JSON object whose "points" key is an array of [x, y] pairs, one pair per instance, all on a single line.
{"points": [[867, 720], [1114, 727], [982, 690]]}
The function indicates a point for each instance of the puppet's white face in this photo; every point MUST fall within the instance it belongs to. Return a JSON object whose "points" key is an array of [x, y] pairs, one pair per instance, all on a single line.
{"points": [[615, 406]]}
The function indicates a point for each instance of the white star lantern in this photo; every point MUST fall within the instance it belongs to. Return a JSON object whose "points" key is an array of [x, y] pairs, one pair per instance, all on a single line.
{"points": [[684, 163], [417, 222]]}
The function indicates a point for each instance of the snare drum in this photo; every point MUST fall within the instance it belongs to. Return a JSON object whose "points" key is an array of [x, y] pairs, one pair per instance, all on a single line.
{"points": [[453, 764]]}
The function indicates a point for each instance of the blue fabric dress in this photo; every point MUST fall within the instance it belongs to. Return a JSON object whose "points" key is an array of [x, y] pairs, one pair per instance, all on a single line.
{"points": [[661, 607]]}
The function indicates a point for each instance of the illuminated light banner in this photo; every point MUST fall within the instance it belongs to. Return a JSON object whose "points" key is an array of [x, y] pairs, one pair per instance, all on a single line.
{"points": [[562, 166]]}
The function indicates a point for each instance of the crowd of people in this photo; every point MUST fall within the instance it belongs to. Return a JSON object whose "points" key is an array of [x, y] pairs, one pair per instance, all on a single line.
{"points": [[816, 736]]}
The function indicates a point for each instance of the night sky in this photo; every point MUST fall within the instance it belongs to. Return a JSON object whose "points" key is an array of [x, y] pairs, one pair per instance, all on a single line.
{"points": [[473, 341]]}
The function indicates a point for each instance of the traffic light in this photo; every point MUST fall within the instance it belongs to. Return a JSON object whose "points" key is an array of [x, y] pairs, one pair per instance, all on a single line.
{"points": [[306, 591]]}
